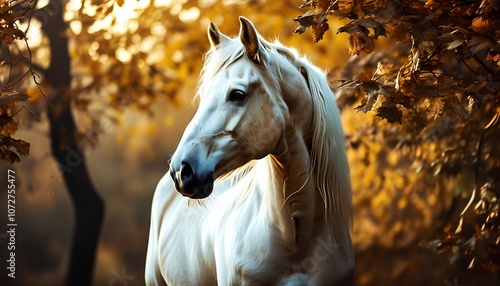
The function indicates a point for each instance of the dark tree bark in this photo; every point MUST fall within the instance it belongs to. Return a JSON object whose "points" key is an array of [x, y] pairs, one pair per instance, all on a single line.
{"points": [[88, 205]]}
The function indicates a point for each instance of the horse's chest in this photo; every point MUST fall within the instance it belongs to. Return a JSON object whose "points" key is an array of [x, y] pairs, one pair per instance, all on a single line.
{"points": [[250, 252], [261, 263], [222, 245]]}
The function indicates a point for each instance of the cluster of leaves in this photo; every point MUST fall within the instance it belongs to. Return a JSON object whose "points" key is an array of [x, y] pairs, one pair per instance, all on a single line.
{"points": [[438, 84], [130, 61], [9, 15], [10, 148]]}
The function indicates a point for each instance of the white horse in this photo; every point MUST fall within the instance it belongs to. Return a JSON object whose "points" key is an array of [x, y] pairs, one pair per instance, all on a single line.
{"points": [[266, 152]]}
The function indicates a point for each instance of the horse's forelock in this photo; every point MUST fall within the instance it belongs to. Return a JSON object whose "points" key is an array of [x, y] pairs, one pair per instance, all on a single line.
{"points": [[226, 53], [219, 58]]}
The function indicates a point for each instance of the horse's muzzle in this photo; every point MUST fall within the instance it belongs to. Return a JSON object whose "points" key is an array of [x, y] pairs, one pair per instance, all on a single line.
{"points": [[188, 184]]}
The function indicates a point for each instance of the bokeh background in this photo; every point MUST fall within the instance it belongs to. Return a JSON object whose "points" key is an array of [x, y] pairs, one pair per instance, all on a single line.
{"points": [[135, 66]]}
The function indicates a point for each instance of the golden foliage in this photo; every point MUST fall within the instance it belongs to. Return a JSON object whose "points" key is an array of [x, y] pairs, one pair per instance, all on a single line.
{"points": [[438, 84], [10, 148]]}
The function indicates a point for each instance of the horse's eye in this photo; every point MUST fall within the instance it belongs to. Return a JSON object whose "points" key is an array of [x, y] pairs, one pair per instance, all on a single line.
{"points": [[237, 96]]}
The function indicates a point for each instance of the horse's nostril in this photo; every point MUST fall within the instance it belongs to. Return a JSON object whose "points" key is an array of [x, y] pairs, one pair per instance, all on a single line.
{"points": [[187, 174]]}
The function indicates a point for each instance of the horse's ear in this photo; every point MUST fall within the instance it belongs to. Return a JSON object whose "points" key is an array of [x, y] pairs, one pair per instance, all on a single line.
{"points": [[249, 38], [215, 36]]}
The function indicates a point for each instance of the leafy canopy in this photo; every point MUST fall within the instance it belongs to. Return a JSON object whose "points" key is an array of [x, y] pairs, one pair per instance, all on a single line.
{"points": [[437, 84]]}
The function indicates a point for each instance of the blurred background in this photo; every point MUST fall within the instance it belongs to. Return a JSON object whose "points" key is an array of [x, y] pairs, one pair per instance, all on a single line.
{"points": [[134, 67]]}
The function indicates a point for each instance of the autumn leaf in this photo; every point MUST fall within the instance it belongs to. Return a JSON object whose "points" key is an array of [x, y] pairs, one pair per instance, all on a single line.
{"points": [[307, 4], [310, 18], [4, 6], [22, 147], [352, 27], [407, 77], [7, 125], [485, 24], [391, 113], [360, 42], [478, 44], [12, 98], [9, 156], [7, 144], [455, 44], [493, 56], [360, 38], [319, 30], [14, 32], [455, 38], [8, 20]]}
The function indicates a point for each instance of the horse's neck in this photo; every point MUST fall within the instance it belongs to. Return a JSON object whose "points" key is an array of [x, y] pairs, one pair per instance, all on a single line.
{"points": [[292, 203]]}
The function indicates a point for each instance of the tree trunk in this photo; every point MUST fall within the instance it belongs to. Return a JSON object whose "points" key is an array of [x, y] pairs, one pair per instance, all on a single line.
{"points": [[89, 207]]}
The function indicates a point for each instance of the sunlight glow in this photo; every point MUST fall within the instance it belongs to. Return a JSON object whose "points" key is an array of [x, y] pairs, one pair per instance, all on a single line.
{"points": [[140, 63], [74, 5], [34, 36], [163, 3], [76, 27], [127, 11], [206, 3], [123, 55], [103, 59], [93, 49], [176, 9], [41, 3], [189, 15], [107, 36], [155, 55], [158, 29], [177, 56], [147, 44], [89, 9], [122, 20]]}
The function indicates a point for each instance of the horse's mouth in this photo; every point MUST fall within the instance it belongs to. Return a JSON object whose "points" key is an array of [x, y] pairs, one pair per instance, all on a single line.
{"points": [[202, 192], [198, 195], [194, 188]]}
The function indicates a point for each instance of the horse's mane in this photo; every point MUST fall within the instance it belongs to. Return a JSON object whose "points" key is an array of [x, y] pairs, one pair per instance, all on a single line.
{"points": [[329, 157], [329, 163], [328, 153]]}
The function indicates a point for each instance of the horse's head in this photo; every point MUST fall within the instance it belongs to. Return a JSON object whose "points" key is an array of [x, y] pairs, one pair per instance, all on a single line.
{"points": [[241, 116]]}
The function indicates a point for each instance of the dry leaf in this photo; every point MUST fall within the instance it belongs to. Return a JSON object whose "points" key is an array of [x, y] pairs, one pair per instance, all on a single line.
{"points": [[360, 42]]}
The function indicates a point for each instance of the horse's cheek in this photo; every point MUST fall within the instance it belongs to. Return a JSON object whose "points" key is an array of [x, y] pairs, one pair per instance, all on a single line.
{"points": [[269, 135]]}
